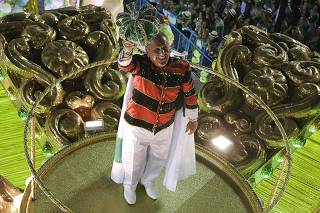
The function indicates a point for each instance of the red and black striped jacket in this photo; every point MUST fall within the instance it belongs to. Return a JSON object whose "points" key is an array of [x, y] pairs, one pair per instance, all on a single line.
{"points": [[155, 92]]}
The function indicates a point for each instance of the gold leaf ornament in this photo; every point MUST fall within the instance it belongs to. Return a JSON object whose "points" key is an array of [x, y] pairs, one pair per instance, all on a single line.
{"points": [[32, 89], [269, 84], [105, 83], [63, 57], [64, 126], [109, 112]]}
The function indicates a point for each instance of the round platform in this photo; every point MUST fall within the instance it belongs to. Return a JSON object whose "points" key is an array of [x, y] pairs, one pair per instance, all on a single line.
{"points": [[79, 176]]}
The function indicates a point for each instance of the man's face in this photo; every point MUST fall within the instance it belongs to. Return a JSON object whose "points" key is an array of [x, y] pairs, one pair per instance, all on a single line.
{"points": [[159, 51]]}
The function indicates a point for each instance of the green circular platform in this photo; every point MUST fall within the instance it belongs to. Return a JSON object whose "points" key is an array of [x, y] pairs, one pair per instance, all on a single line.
{"points": [[79, 176]]}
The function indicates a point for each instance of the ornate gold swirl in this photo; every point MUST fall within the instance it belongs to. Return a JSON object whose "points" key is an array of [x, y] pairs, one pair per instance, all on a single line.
{"points": [[63, 57], [233, 38], [305, 107], [284, 46], [31, 90], [252, 36], [268, 55], [93, 16], [109, 112], [31, 60], [208, 124], [108, 24], [254, 33], [266, 130], [298, 53], [77, 99], [105, 83], [36, 18], [230, 56], [14, 27], [101, 45], [303, 71], [73, 29], [268, 84], [66, 11], [266, 51], [227, 61], [256, 154], [245, 152], [59, 15], [81, 103], [17, 51], [240, 121], [109, 27], [50, 19], [214, 96], [304, 90], [38, 35], [308, 105], [209, 93], [15, 17], [92, 9], [64, 126], [302, 49]]}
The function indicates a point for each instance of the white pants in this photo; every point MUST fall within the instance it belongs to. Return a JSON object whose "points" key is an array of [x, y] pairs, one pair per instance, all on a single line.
{"points": [[144, 154]]}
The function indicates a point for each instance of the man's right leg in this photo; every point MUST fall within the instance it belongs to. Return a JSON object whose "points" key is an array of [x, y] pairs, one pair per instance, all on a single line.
{"points": [[134, 154]]}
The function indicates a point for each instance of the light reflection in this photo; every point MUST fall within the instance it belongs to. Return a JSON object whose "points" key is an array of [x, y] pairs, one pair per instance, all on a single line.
{"points": [[97, 125], [221, 142]]}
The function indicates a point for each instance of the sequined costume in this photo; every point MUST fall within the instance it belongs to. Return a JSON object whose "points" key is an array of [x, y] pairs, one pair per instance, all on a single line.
{"points": [[155, 93], [152, 129]]}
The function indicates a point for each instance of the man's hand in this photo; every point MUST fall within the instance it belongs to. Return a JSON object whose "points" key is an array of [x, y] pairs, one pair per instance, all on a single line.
{"points": [[191, 127], [128, 46]]}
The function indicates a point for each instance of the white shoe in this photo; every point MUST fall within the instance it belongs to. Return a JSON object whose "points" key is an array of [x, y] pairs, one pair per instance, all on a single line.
{"points": [[129, 195], [152, 191]]}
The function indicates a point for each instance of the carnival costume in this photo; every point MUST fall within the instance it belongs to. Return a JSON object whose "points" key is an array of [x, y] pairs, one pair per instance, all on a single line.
{"points": [[151, 133]]}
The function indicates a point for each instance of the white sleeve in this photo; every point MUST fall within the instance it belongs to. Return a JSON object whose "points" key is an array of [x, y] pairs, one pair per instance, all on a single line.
{"points": [[124, 59], [192, 114]]}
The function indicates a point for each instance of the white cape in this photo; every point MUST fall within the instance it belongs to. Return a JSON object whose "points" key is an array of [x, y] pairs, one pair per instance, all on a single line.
{"points": [[181, 159]]}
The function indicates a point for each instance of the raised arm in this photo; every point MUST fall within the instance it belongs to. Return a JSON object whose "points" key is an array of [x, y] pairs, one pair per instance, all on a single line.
{"points": [[126, 62]]}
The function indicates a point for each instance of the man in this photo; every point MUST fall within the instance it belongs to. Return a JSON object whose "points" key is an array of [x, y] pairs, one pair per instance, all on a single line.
{"points": [[212, 49], [280, 7], [218, 25], [245, 7], [230, 21], [150, 114]]}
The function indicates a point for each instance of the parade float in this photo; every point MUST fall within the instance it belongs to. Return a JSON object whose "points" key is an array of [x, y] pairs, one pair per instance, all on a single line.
{"points": [[59, 69]]}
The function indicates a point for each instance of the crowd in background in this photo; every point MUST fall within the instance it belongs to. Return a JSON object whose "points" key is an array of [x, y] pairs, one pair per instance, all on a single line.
{"points": [[211, 20]]}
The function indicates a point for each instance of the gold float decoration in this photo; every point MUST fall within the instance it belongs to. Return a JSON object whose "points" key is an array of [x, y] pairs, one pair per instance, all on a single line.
{"points": [[62, 57], [283, 73], [38, 49]]}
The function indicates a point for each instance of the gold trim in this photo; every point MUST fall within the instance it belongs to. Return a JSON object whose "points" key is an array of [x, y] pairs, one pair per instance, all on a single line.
{"points": [[210, 159], [214, 161]]}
